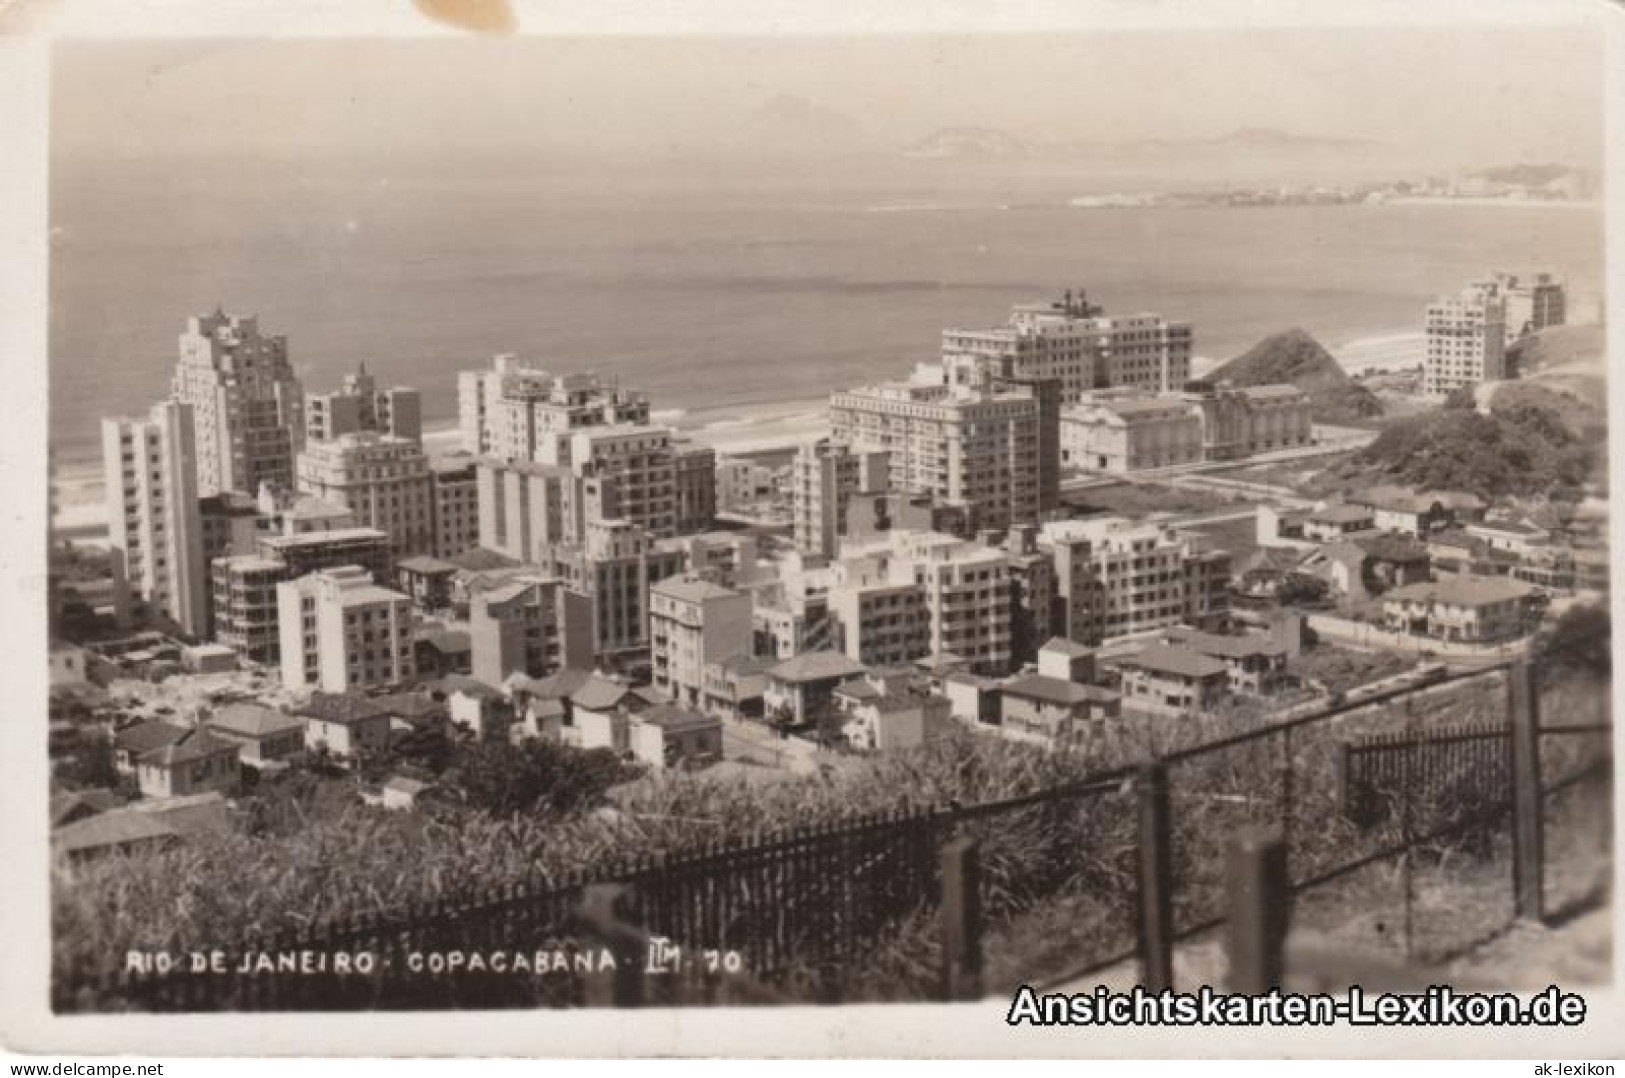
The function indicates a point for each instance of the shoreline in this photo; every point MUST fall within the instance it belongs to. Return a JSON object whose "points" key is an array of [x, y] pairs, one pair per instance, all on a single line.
{"points": [[76, 484]]}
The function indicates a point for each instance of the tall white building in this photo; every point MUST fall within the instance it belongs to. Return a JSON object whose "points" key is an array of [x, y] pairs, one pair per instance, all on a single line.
{"points": [[1533, 303], [505, 411], [247, 405], [823, 477], [149, 469], [384, 480], [1466, 339], [341, 631], [1115, 577], [978, 447], [1076, 344], [360, 405], [694, 622]]}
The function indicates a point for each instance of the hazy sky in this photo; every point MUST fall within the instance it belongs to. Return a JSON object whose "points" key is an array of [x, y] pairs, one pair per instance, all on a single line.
{"points": [[1474, 95]]}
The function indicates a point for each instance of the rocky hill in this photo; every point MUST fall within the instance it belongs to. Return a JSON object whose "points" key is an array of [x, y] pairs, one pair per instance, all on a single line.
{"points": [[1296, 357], [989, 143]]}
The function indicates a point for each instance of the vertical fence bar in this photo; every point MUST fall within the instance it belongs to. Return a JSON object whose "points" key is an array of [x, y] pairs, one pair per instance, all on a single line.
{"points": [[624, 987], [1528, 825], [1156, 898], [1258, 913], [961, 920]]}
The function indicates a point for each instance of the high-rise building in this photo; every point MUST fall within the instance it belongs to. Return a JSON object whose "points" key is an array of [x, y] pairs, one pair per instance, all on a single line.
{"points": [[616, 564], [693, 622], [1073, 342], [244, 586], [455, 484], [1466, 339], [959, 443], [149, 469], [340, 631], [384, 480], [694, 488], [1115, 577], [246, 403], [823, 477], [524, 508], [361, 406], [505, 411], [529, 626], [627, 473], [1532, 303]]}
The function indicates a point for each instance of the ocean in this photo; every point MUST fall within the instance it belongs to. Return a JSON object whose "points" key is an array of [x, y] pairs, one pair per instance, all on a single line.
{"points": [[721, 297]]}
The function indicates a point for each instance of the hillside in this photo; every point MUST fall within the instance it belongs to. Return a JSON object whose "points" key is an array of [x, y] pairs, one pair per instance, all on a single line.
{"points": [[1522, 450], [1296, 357], [1558, 347]]}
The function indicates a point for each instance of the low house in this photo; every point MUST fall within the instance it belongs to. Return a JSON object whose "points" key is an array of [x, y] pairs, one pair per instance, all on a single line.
{"points": [[1256, 663], [1258, 579], [1333, 522], [443, 652], [413, 712], [802, 689], [111, 832], [735, 686], [1400, 509], [199, 762], [76, 805], [1067, 660], [1166, 680], [345, 725], [263, 735], [208, 659], [427, 581], [542, 706], [601, 709], [667, 736], [973, 699], [1393, 560], [134, 742], [1513, 536], [891, 709], [1464, 610], [476, 707], [1053, 709]]}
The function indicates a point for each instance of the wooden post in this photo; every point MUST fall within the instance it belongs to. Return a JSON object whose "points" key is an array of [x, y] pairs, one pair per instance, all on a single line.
{"points": [[1528, 823], [1156, 914], [623, 986], [1259, 909], [961, 920]]}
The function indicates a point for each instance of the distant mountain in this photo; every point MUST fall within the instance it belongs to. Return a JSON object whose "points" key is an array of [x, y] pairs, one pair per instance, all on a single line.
{"points": [[794, 124], [969, 142], [1296, 357]]}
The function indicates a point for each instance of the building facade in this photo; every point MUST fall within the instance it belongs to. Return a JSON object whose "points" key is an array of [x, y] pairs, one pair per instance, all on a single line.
{"points": [[823, 477], [454, 485], [247, 404], [1466, 339], [384, 480], [693, 623], [361, 406], [505, 411], [1115, 577], [528, 626], [340, 631], [155, 533]]}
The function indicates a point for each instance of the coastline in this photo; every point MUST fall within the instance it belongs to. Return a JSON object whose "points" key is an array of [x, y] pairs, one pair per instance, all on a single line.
{"points": [[76, 484]]}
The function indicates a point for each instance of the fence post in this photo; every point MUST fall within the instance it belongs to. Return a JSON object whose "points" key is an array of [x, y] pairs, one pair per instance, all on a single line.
{"points": [[1528, 838], [1156, 914], [1258, 913], [624, 988], [961, 920]]}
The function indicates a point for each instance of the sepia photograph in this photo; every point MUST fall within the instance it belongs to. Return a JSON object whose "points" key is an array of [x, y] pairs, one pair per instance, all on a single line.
{"points": [[1089, 521]]}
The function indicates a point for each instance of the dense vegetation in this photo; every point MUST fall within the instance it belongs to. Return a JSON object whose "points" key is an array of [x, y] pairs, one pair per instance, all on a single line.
{"points": [[1296, 357], [1580, 643], [1521, 449]]}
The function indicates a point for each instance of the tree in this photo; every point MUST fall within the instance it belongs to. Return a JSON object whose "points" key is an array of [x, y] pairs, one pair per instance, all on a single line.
{"points": [[1579, 643], [1300, 589], [533, 776]]}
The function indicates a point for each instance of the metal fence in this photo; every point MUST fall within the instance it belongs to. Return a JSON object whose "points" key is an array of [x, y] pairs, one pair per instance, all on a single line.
{"points": [[1043, 888]]}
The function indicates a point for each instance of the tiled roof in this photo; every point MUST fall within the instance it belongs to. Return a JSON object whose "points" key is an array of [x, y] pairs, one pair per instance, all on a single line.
{"points": [[816, 666], [598, 694], [1053, 690], [411, 705], [480, 560], [671, 717], [149, 735], [468, 686], [1229, 647], [563, 683], [692, 589], [341, 707], [196, 745], [1166, 659], [253, 720], [1060, 645], [111, 829], [426, 565], [1463, 591]]}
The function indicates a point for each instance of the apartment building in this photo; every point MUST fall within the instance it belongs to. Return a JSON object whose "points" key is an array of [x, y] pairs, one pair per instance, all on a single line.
{"points": [[454, 485], [1075, 344], [246, 403], [384, 480], [616, 564], [529, 626], [627, 473], [694, 487], [692, 624], [155, 533], [243, 587], [823, 477], [359, 405], [958, 443], [524, 508], [1466, 339], [339, 631], [1532, 303], [505, 411], [1121, 431], [1115, 577]]}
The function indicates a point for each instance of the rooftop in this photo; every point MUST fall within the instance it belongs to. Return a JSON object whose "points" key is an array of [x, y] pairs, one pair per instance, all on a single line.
{"points": [[196, 745], [426, 565], [1342, 513], [111, 829], [692, 589], [468, 686], [1229, 647], [149, 735], [1463, 591], [1168, 659], [816, 666], [599, 693], [1062, 646], [341, 707], [253, 720], [673, 718], [1052, 690]]}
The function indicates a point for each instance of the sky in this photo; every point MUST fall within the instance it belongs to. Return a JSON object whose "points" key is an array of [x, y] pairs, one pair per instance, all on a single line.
{"points": [[1467, 95]]}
